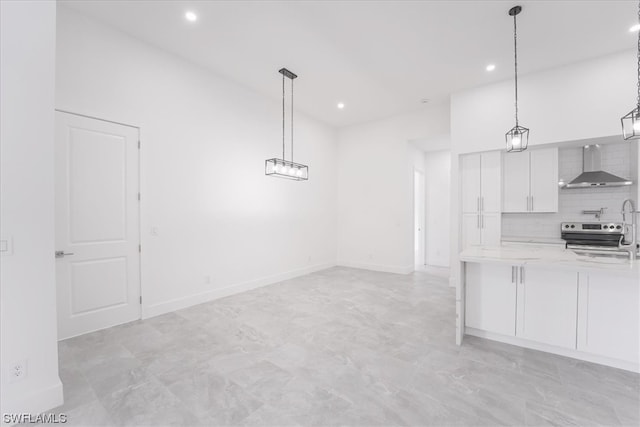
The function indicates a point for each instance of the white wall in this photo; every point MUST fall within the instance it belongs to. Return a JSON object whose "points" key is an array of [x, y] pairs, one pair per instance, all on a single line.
{"points": [[375, 193], [27, 292], [579, 101], [437, 189], [204, 143]]}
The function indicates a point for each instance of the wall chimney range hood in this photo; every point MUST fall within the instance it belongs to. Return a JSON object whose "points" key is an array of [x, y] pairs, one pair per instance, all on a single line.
{"points": [[592, 174]]}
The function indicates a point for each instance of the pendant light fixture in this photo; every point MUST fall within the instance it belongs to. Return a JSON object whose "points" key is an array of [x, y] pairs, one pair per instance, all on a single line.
{"points": [[518, 137], [284, 168], [631, 122]]}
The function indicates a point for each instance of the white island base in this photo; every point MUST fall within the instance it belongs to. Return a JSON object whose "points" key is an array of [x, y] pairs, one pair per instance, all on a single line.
{"points": [[552, 300]]}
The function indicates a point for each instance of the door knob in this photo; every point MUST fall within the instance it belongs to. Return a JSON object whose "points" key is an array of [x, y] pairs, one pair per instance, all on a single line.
{"points": [[61, 254]]}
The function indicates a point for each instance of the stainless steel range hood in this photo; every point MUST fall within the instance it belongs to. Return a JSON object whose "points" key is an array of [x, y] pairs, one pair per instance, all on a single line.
{"points": [[592, 174]]}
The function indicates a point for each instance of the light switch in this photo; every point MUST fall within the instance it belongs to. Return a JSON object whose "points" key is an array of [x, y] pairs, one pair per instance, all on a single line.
{"points": [[6, 246]]}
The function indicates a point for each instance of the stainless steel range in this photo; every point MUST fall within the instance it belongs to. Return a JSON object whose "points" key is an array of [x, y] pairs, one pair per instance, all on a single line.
{"points": [[595, 236]]}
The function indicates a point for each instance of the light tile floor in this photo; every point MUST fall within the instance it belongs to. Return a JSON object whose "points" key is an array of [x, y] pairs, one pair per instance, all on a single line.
{"points": [[338, 347]]}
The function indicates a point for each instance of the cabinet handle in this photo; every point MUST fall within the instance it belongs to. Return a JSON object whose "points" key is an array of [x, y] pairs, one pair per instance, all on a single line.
{"points": [[481, 221], [513, 274], [531, 203], [478, 225], [478, 204], [482, 203], [522, 275]]}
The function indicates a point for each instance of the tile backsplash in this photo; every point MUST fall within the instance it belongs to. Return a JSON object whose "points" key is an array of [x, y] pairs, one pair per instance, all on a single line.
{"points": [[617, 158]]}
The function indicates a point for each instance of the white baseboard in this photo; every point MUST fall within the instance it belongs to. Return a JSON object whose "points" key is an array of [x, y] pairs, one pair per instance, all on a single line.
{"points": [[42, 400], [188, 301], [575, 354], [378, 267]]}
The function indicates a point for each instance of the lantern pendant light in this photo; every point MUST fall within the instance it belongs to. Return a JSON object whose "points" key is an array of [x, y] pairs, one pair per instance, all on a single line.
{"points": [[518, 137], [284, 168], [631, 122]]}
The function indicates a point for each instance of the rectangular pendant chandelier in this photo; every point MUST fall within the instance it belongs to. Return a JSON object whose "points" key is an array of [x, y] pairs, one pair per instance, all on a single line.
{"points": [[286, 169], [283, 168], [631, 125]]}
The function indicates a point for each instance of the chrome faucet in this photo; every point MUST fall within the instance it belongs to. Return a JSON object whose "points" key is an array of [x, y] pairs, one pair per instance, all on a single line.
{"points": [[631, 246]]}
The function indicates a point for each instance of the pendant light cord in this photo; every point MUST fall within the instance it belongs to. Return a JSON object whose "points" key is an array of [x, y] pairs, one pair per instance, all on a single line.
{"points": [[292, 120], [515, 61], [283, 117], [638, 99]]}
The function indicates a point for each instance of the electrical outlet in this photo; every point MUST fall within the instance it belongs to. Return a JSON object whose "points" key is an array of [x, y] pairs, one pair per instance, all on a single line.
{"points": [[207, 280], [18, 371]]}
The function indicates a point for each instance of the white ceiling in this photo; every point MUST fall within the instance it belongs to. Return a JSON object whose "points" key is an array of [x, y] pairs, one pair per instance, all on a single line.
{"points": [[380, 58]]}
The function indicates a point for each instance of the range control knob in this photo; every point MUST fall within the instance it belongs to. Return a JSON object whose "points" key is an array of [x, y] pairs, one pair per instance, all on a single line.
{"points": [[566, 226], [619, 227], [573, 226]]}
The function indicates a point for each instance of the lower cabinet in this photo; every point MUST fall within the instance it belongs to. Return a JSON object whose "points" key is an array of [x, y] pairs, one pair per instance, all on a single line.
{"points": [[595, 313], [609, 320], [547, 306], [490, 300]]}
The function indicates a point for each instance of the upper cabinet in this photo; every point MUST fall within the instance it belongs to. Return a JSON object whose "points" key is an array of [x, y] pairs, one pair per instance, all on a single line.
{"points": [[530, 181], [480, 174], [480, 182]]}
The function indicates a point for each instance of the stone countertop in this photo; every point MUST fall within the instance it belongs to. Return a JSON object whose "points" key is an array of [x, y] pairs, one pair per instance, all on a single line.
{"points": [[549, 256], [534, 240]]}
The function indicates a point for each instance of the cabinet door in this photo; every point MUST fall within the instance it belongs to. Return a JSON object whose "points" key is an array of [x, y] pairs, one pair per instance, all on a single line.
{"points": [[470, 230], [490, 229], [490, 176], [547, 306], [544, 180], [608, 319], [515, 182], [470, 182], [490, 298]]}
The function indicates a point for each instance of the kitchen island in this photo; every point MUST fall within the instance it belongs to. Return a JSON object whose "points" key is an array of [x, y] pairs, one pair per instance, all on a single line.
{"points": [[551, 299]]}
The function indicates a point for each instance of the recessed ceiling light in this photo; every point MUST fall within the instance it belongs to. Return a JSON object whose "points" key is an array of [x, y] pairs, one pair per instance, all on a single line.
{"points": [[491, 67], [340, 105], [424, 100], [634, 28], [191, 16]]}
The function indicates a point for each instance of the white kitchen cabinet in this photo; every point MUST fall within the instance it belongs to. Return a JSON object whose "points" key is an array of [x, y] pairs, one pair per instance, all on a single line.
{"points": [[480, 180], [471, 235], [530, 181], [547, 306], [515, 182], [490, 298], [544, 180], [608, 316], [470, 182], [480, 198], [490, 229], [480, 229]]}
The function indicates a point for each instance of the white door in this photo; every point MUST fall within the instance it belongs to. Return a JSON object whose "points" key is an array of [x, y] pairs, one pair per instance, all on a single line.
{"points": [[97, 224], [515, 182], [419, 220], [470, 182], [544, 180], [490, 177], [490, 300]]}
